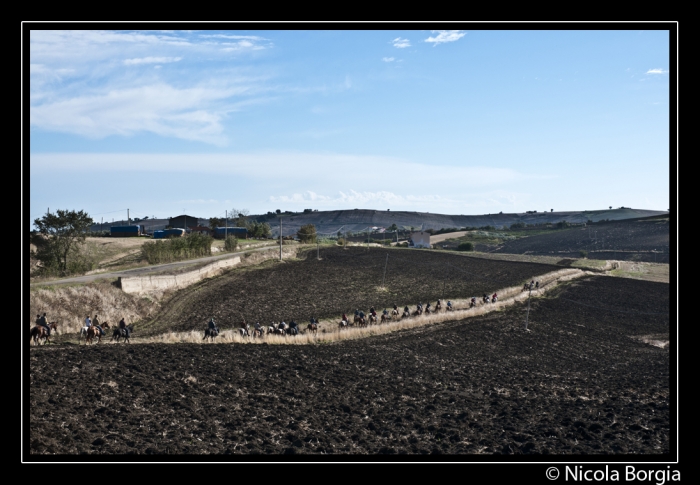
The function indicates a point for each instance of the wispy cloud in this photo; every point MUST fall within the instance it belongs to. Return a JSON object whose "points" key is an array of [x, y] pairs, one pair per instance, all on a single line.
{"points": [[388, 59], [151, 60], [401, 43], [658, 70], [444, 36]]}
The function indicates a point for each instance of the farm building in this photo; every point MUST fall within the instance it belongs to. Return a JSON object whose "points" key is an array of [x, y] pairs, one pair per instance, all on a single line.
{"points": [[183, 221], [420, 239], [126, 231], [239, 232]]}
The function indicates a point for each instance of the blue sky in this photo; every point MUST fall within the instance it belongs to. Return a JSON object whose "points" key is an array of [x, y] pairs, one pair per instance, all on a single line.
{"points": [[455, 122]]}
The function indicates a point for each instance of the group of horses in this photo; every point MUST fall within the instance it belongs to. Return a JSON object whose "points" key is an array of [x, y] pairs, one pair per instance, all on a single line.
{"points": [[92, 334], [280, 328], [395, 314]]}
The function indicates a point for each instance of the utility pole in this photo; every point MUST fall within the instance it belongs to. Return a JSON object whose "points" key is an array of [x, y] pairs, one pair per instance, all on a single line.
{"points": [[367, 237], [385, 265], [184, 212], [225, 225], [318, 257], [280, 239], [527, 316], [128, 219]]}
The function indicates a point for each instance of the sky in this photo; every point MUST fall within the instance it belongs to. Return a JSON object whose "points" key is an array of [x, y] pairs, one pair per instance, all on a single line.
{"points": [[470, 121]]}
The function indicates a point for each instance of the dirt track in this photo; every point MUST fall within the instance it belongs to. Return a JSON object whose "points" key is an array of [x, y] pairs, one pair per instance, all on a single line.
{"points": [[579, 382]]}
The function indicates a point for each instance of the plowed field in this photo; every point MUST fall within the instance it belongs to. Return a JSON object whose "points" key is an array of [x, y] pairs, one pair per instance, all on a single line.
{"points": [[580, 381], [641, 240], [342, 281]]}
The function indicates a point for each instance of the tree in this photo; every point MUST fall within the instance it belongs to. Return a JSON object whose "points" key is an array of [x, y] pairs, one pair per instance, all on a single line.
{"points": [[307, 233], [610, 207], [215, 222], [240, 216], [64, 232], [465, 246], [551, 210]]}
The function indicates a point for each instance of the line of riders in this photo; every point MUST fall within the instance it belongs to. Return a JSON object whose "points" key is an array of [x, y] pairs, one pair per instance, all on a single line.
{"points": [[92, 330], [360, 319]]}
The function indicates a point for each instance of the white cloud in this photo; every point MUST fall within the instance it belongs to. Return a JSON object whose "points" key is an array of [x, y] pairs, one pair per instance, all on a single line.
{"points": [[190, 113], [388, 59], [227, 36], [401, 43], [658, 70], [151, 60], [445, 36]]}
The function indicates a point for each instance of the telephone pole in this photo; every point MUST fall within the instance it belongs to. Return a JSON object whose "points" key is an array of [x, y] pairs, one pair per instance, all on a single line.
{"points": [[128, 219], [385, 265], [527, 316], [280, 239], [225, 225]]}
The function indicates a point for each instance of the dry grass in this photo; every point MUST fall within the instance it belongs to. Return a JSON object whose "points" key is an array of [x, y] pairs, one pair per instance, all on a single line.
{"points": [[330, 332], [70, 305], [643, 271]]}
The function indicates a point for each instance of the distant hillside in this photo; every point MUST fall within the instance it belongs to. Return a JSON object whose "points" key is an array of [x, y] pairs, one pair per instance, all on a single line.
{"points": [[359, 219]]}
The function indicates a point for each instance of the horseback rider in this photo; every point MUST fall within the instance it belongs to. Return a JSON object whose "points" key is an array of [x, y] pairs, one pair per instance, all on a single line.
{"points": [[494, 297], [405, 309], [344, 317], [97, 325], [257, 328], [396, 307], [283, 325], [537, 284], [44, 322], [212, 325], [385, 312], [122, 326], [427, 307], [293, 326], [372, 312], [449, 304], [419, 306], [357, 312], [362, 314], [88, 322]]}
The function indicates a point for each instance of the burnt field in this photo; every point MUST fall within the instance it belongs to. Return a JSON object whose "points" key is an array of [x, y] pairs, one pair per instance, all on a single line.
{"points": [[580, 381], [636, 240], [342, 281]]}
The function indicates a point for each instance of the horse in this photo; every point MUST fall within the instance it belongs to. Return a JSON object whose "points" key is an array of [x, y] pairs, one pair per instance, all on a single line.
{"points": [[372, 319], [258, 332], [343, 324], [486, 299], [121, 333], [394, 313], [450, 308], [494, 299], [39, 332], [406, 314], [244, 331], [313, 328], [292, 330], [385, 318], [472, 304], [92, 333], [210, 333], [438, 307], [356, 319], [362, 322], [417, 312]]}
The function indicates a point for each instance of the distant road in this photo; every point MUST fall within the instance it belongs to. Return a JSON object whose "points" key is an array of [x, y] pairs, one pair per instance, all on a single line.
{"points": [[147, 269]]}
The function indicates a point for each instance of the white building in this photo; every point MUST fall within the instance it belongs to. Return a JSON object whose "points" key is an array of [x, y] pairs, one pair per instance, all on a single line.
{"points": [[420, 239]]}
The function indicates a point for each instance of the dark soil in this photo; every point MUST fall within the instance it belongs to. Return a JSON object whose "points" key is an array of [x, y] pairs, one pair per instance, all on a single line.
{"points": [[637, 240], [342, 281], [576, 383]]}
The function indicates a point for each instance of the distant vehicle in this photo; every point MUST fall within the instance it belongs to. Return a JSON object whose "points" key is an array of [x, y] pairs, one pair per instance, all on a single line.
{"points": [[168, 233]]}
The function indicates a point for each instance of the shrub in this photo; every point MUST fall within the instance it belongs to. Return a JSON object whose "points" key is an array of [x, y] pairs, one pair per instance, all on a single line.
{"points": [[191, 246], [341, 241], [583, 253], [230, 243], [465, 246]]}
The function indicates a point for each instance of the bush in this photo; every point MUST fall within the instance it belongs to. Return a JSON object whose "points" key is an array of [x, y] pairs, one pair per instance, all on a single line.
{"points": [[583, 253], [191, 246], [230, 243], [340, 242], [465, 246]]}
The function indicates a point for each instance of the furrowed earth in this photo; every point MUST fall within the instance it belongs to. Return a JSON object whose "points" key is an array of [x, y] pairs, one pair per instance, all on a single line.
{"points": [[589, 376]]}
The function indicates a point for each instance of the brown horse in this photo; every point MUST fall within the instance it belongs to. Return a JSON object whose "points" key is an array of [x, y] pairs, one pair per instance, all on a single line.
{"points": [[313, 328], [92, 333], [438, 307], [361, 321], [38, 332], [385, 318]]}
